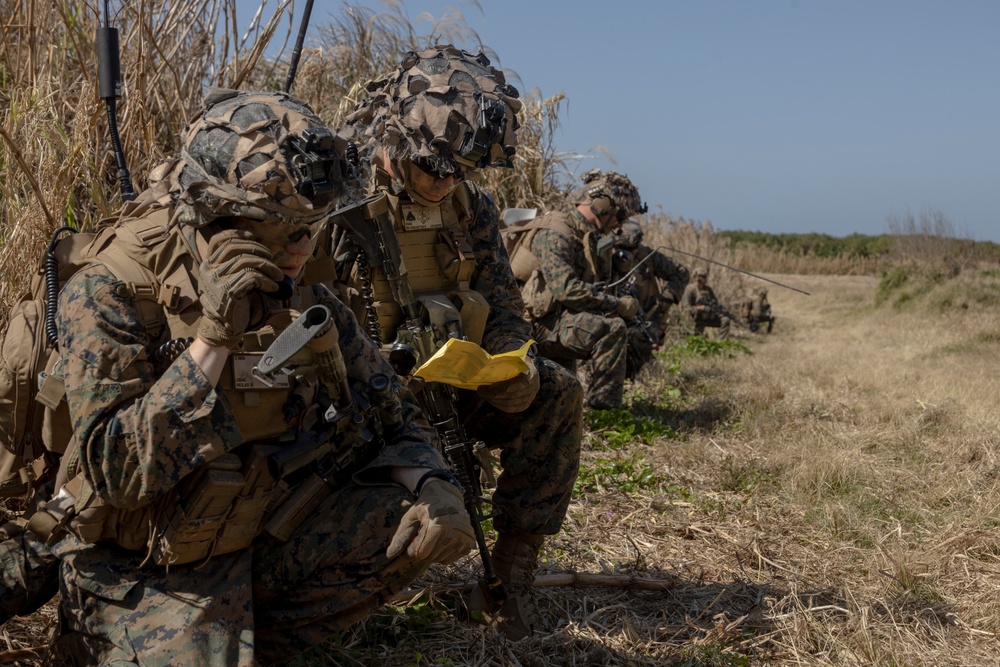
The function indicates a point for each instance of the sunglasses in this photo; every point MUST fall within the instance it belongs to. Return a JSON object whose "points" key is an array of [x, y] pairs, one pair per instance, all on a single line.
{"points": [[428, 168]]}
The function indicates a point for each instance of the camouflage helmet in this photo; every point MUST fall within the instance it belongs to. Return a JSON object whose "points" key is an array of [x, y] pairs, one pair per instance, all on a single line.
{"points": [[614, 186], [444, 109], [762, 291], [701, 271], [258, 155], [631, 234]]}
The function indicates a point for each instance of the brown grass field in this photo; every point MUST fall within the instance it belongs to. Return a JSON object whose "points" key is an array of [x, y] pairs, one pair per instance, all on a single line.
{"points": [[829, 498]]}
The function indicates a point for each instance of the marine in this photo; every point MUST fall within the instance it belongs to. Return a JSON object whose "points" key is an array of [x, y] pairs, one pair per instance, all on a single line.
{"points": [[757, 312], [657, 281], [560, 259], [704, 308], [425, 129], [209, 512]]}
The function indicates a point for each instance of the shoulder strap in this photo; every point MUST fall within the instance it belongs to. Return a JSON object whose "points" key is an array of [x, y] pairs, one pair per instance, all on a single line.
{"points": [[552, 221], [461, 200], [131, 261]]}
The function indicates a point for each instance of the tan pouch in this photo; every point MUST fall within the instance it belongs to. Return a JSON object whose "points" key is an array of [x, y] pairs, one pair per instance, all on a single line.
{"points": [[246, 514], [189, 527], [538, 300]]}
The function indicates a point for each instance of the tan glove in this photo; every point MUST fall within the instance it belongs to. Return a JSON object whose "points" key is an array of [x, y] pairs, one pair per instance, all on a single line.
{"points": [[515, 394], [437, 529], [627, 308], [236, 267]]}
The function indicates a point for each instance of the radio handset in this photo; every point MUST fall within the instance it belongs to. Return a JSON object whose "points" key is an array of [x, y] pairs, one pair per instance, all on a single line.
{"points": [[286, 287]]}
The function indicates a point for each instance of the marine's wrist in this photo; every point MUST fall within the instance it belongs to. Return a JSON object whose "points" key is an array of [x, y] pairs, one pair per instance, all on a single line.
{"points": [[438, 474]]}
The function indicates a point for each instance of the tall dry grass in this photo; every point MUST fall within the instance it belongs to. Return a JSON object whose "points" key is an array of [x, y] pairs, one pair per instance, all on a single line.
{"points": [[362, 44], [929, 238], [693, 244], [832, 498], [55, 154]]}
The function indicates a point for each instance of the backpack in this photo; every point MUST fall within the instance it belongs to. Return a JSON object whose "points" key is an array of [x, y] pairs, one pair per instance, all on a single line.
{"points": [[517, 235], [35, 426]]}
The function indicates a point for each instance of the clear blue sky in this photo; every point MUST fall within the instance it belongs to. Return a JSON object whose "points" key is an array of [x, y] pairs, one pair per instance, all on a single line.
{"points": [[772, 115]]}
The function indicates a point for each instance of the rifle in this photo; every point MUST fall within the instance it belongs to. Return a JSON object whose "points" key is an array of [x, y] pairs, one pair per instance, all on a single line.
{"points": [[462, 453], [713, 307], [349, 418], [626, 287], [370, 226]]}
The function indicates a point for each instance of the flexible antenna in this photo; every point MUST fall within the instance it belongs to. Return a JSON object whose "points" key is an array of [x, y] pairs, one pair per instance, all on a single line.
{"points": [[109, 80], [704, 259], [293, 66]]}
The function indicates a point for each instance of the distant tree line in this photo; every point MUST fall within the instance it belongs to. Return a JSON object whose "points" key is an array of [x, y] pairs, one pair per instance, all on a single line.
{"points": [[858, 254], [855, 246]]}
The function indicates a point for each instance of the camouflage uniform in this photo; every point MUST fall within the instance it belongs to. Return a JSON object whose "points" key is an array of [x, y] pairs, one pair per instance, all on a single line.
{"points": [[584, 324], [28, 575], [648, 331], [146, 426], [660, 266], [539, 447], [759, 312], [444, 111], [711, 316]]}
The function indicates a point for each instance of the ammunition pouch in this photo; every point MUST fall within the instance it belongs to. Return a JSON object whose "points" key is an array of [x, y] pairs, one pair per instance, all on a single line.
{"points": [[196, 520], [538, 300], [220, 508]]}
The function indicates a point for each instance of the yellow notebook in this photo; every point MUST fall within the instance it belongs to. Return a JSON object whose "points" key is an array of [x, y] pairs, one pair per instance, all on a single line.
{"points": [[465, 365]]}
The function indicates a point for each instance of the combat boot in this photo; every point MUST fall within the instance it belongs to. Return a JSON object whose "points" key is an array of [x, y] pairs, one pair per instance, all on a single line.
{"points": [[515, 560]]}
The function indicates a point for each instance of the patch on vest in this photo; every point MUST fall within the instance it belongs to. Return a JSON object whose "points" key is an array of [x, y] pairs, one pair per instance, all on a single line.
{"points": [[416, 217], [243, 377]]}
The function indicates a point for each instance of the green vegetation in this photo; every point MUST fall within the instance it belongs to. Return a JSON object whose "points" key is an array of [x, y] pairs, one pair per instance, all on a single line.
{"points": [[744, 476], [626, 474], [938, 288], [393, 629], [855, 246], [616, 429], [699, 346], [711, 655], [861, 246]]}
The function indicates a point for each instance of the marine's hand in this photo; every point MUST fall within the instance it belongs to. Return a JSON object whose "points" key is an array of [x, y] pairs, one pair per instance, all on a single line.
{"points": [[515, 394], [236, 267], [436, 528], [627, 308]]}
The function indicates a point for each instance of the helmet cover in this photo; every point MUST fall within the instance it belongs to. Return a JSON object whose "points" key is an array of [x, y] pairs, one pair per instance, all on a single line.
{"points": [[444, 109], [259, 155], [617, 187]]}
